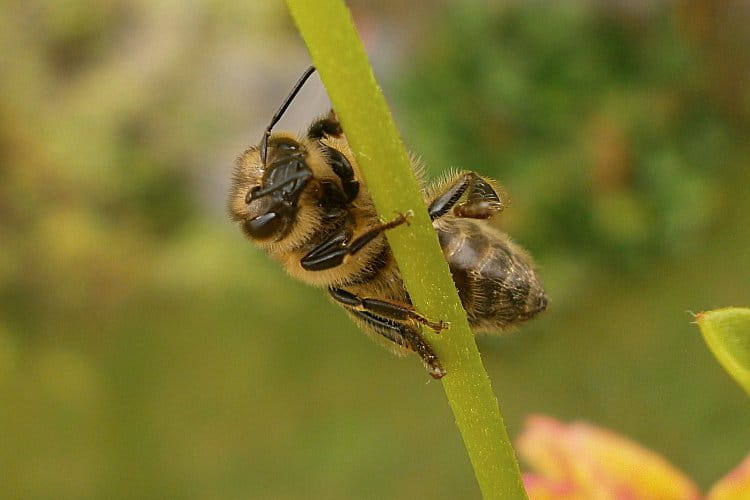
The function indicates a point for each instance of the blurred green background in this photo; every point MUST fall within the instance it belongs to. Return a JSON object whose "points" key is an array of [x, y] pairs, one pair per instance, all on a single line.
{"points": [[147, 351]]}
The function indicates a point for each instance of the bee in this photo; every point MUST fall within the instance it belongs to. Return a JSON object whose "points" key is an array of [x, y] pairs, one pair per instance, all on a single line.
{"points": [[301, 200]]}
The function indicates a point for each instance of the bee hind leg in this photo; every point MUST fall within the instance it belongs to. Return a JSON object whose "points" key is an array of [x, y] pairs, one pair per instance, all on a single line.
{"points": [[384, 308], [482, 198], [406, 336]]}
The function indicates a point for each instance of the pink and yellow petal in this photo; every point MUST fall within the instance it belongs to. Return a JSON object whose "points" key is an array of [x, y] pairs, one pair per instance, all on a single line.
{"points": [[601, 464], [733, 486], [541, 488]]}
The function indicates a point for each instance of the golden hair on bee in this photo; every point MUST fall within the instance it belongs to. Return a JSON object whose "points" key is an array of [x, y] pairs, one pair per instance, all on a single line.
{"points": [[302, 201]]}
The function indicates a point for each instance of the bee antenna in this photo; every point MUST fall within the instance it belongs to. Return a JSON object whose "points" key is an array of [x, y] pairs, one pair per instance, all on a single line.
{"points": [[280, 112]]}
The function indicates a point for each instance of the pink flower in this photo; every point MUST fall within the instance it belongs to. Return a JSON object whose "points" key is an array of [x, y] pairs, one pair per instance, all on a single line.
{"points": [[579, 461]]}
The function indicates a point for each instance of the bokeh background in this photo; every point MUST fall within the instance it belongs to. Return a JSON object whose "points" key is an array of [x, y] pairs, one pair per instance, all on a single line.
{"points": [[147, 351]]}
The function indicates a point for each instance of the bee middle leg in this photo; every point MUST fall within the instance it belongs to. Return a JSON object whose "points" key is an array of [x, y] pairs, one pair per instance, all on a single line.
{"points": [[405, 335], [384, 308], [482, 198]]}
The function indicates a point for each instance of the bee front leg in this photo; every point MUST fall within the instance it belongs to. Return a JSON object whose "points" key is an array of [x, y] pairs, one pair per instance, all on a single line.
{"points": [[325, 126], [482, 198], [334, 250], [384, 308]]}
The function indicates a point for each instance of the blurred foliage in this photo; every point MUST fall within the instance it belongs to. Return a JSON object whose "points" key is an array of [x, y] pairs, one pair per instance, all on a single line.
{"points": [[601, 125], [146, 351], [105, 120]]}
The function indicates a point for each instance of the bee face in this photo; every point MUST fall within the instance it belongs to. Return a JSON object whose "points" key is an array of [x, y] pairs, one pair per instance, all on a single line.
{"points": [[272, 203], [278, 202]]}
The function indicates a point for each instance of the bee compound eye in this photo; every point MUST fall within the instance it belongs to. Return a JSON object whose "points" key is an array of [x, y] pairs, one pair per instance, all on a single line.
{"points": [[284, 144], [264, 226]]}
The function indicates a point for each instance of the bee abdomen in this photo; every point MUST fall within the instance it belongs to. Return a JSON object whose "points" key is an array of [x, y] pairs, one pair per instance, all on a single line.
{"points": [[495, 278]]}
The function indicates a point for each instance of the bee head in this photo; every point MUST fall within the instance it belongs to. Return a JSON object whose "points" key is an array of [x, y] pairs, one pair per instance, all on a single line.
{"points": [[265, 195], [286, 186]]}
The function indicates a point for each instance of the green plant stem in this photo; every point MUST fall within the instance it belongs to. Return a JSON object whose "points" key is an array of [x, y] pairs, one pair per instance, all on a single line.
{"points": [[340, 59]]}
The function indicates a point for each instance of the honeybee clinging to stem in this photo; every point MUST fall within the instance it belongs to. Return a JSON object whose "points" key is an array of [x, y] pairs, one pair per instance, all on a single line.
{"points": [[300, 199]]}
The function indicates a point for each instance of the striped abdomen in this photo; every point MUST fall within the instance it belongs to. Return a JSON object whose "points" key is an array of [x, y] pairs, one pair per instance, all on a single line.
{"points": [[495, 277]]}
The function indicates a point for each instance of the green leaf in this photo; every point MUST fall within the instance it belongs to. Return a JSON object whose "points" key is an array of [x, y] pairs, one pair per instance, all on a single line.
{"points": [[340, 59], [727, 333]]}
